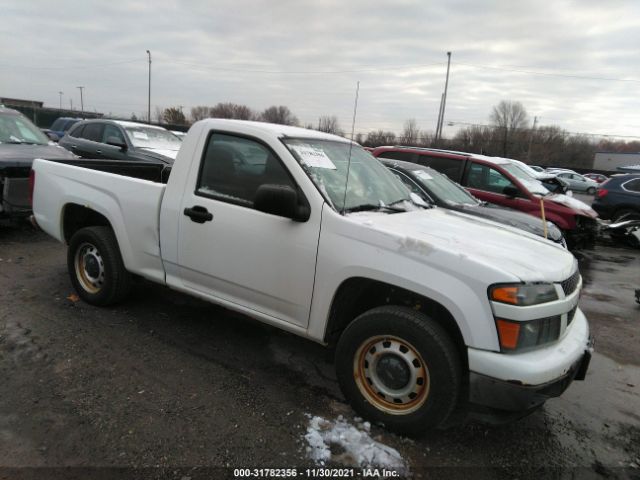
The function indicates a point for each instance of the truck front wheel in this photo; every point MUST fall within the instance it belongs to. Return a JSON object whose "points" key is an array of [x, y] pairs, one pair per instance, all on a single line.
{"points": [[398, 367], [96, 268]]}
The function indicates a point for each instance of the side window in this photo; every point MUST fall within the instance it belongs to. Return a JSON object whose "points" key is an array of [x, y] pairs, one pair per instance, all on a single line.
{"points": [[93, 132], [406, 156], [112, 131], [77, 131], [234, 167], [486, 178], [632, 185], [451, 167]]}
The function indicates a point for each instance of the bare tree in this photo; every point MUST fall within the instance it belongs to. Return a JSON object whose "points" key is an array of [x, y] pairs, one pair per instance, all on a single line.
{"points": [[380, 137], [232, 110], [359, 138], [329, 124], [200, 112], [280, 114], [411, 133], [510, 118], [174, 115], [159, 114]]}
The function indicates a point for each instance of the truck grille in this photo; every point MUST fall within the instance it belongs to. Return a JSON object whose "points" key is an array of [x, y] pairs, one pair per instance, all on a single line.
{"points": [[571, 283], [571, 314]]}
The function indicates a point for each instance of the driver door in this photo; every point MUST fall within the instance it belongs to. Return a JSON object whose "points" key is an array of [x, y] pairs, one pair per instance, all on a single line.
{"points": [[236, 253]]}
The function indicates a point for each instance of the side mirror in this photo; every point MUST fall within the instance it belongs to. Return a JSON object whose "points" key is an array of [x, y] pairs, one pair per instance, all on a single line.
{"points": [[511, 191], [281, 200], [116, 142]]}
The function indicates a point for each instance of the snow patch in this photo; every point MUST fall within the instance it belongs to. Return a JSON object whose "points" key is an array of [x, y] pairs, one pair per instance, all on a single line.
{"points": [[340, 442]]}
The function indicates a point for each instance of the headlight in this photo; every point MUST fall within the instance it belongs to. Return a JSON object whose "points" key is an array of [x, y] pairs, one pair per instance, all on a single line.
{"points": [[524, 295], [521, 335]]}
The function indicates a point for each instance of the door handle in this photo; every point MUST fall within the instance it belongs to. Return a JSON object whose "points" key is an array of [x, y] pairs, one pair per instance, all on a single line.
{"points": [[74, 146], [98, 151], [198, 214]]}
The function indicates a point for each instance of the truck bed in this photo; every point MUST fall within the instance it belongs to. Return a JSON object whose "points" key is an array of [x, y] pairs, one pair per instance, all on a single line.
{"points": [[127, 194], [155, 172]]}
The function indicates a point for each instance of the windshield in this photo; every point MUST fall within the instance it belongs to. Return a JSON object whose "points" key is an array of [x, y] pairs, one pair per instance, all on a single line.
{"points": [[17, 129], [443, 188], [370, 183], [530, 183], [149, 137]]}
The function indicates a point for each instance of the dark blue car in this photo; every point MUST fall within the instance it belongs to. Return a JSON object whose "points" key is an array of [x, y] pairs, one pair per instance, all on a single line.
{"points": [[619, 198]]}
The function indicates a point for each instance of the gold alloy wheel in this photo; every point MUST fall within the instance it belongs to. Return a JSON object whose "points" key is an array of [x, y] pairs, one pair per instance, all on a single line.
{"points": [[391, 375], [89, 268]]}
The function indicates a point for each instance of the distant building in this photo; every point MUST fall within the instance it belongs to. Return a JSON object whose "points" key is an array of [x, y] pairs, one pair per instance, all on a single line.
{"points": [[43, 116], [612, 161]]}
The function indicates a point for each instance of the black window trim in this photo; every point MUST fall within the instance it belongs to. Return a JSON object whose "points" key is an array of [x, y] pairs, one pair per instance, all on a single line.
{"points": [[302, 199], [622, 185], [408, 177]]}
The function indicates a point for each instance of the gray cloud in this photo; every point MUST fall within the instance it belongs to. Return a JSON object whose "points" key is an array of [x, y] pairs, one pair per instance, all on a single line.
{"points": [[205, 52]]}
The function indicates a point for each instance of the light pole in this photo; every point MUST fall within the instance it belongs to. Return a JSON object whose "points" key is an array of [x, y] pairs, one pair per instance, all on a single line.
{"points": [[149, 97], [60, 93], [81, 101], [444, 100]]}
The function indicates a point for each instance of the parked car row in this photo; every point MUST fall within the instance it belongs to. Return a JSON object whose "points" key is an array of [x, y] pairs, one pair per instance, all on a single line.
{"points": [[21, 142], [502, 182]]}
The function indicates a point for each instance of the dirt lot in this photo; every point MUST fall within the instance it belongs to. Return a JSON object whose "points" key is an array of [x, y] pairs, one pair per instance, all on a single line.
{"points": [[175, 387]]}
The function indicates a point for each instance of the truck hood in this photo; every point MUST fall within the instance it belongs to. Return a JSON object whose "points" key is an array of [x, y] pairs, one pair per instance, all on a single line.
{"points": [[579, 207], [456, 235], [514, 218], [22, 154]]}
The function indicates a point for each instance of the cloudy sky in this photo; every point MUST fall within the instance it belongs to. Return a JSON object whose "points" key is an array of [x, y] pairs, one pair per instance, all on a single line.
{"points": [[575, 64]]}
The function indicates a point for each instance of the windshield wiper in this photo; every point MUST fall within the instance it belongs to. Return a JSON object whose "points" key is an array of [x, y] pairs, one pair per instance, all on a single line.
{"points": [[373, 207]]}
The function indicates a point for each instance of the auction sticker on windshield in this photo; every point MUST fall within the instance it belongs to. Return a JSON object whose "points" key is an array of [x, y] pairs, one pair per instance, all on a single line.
{"points": [[313, 157], [423, 175]]}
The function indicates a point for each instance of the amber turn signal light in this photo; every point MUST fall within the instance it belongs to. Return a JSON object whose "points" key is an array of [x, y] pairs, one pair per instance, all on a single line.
{"points": [[508, 332]]}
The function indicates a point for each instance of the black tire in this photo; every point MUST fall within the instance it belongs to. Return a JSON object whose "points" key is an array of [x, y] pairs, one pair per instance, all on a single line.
{"points": [[434, 400], [96, 268], [591, 191]]}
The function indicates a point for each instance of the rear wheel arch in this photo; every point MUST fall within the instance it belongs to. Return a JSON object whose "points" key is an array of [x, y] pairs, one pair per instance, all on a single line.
{"points": [[76, 217]]}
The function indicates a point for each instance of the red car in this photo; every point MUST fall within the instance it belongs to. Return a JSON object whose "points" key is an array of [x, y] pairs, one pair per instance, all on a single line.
{"points": [[498, 180], [596, 177]]}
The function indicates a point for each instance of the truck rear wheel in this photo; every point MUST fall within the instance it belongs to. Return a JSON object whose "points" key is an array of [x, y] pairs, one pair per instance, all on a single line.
{"points": [[397, 366], [96, 268]]}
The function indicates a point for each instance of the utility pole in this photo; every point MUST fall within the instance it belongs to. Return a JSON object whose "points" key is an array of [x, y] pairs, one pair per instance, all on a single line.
{"points": [[439, 117], [71, 103], [444, 98], [535, 120], [60, 93], [81, 101], [149, 91]]}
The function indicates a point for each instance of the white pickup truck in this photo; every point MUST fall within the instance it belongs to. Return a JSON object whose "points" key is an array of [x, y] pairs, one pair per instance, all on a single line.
{"points": [[428, 310]]}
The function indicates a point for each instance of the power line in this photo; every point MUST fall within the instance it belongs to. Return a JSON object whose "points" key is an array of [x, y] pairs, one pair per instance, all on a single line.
{"points": [[56, 67], [565, 75]]}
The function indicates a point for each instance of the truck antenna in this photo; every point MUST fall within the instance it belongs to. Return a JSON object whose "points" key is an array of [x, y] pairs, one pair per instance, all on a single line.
{"points": [[353, 127]]}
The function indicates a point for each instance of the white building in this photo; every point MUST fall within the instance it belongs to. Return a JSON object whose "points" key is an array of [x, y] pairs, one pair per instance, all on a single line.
{"points": [[610, 161]]}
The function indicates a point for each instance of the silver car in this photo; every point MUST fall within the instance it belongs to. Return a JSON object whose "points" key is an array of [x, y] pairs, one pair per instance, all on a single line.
{"points": [[579, 183]]}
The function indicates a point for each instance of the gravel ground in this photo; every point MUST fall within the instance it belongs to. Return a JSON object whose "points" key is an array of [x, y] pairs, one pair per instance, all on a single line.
{"points": [[174, 387]]}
